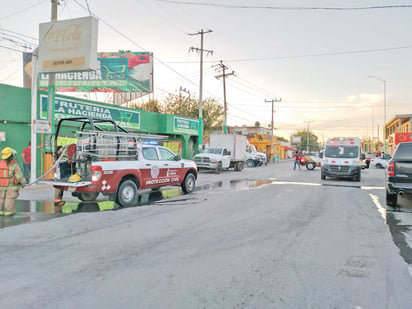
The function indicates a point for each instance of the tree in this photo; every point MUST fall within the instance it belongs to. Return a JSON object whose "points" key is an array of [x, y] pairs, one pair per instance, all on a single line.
{"points": [[212, 111], [313, 140], [150, 106]]}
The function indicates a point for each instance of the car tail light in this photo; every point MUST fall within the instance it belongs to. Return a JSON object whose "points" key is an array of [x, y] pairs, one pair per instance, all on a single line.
{"points": [[97, 172], [390, 169]]}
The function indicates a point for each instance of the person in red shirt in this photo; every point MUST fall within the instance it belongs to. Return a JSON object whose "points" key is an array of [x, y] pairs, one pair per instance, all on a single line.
{"points": [[297, 160], [26, 156]]}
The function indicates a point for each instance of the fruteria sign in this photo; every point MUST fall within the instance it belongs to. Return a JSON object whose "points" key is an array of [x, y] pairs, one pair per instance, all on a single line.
{"points": [[68, 45], [183, 125], [65, 108], [116, 72]]}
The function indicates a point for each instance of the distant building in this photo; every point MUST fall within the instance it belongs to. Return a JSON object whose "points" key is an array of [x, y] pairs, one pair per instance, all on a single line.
{"points": [[243, 130], [398, 130]]}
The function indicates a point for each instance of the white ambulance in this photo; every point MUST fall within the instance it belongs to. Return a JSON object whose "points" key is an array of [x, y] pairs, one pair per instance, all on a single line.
{"points": [[342, 157]]}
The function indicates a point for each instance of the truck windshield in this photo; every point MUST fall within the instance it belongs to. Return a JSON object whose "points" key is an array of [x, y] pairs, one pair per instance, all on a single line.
{"points": [[341, 151], [212, 150]]}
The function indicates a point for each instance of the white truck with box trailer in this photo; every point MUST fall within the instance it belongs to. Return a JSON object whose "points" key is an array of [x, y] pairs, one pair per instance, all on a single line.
{"points": [[225, 151], [342, 157]]}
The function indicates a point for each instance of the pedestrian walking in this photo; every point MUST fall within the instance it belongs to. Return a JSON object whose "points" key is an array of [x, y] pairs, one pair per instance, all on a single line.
{"points": [[11, 181], [26, 156], [297, 160]]}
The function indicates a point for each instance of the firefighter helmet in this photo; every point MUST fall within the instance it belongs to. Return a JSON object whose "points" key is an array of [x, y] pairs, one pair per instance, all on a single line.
{"points": [[75, 178], [6, 152]]}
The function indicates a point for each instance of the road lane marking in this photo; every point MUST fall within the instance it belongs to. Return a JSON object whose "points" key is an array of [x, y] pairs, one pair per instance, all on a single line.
{"points": [[381, 209]]}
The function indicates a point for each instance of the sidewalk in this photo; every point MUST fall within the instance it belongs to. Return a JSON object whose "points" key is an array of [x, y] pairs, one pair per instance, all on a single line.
{"points": [[39, 192]]}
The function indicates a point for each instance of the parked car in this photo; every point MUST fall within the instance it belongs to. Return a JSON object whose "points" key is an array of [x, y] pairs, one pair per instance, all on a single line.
{"points": [[399, 174], [380, 162]]}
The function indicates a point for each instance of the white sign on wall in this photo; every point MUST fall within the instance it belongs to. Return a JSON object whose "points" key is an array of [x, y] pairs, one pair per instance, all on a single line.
{"points": [[41, 126], [68, 45]]}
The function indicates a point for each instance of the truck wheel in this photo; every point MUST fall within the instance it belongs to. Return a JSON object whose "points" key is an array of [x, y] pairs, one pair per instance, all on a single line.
{"points": [[357, 178], [236, 166], [127, 193], [241, 166], [250, 163], [391, 199], [322, 176], [378, 165], [310, 165], [188, 185], [88, 196], [219, 168]]}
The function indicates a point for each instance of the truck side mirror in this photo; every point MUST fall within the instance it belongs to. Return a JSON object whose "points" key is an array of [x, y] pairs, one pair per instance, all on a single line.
{"points": [[363, 157], [321, 155]]}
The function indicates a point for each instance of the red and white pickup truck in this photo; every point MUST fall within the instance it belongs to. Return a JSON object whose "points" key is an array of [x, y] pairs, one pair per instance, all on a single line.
{"points": [[105, 158]]}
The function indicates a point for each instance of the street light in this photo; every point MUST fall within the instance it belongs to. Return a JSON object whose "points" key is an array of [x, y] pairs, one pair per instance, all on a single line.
{"points": [[384, 110]]}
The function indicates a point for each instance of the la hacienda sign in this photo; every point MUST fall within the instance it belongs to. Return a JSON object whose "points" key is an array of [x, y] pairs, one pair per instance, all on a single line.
{"points": [[64, 108]]}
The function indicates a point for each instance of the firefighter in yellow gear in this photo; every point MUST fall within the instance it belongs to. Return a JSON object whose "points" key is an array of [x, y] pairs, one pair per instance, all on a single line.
{"points": [[11, 181]]}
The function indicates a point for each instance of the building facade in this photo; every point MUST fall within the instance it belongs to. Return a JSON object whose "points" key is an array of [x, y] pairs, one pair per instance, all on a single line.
{"points": [[397, 130], [16, 122]]}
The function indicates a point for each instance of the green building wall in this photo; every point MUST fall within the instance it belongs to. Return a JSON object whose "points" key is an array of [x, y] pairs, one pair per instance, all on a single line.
{"points": [[15, 113], [15, 121]]}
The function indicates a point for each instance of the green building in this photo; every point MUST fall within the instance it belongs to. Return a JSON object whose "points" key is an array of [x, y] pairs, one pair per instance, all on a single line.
{"points": [[16, 122]]}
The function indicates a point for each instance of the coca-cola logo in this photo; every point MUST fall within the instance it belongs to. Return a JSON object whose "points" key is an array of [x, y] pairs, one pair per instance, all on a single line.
{"points": [[72, 32]]}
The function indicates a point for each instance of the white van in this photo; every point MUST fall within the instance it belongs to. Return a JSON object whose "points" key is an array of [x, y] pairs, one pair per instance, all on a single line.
{"points": [[342, 158]]}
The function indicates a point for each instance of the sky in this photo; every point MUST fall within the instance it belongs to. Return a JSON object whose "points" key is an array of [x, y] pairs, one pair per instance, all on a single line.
{"points": [[315, 56]]}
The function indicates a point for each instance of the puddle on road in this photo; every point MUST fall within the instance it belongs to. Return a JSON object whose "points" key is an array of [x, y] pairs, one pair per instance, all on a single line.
{"points": [[33, 211]]}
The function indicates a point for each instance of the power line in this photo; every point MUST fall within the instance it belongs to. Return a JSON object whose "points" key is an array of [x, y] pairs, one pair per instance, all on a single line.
{"points": [[361, 51], [134, 43], [287, 8], [10, 48], [23, 10], [20, 34], [348, 52]]}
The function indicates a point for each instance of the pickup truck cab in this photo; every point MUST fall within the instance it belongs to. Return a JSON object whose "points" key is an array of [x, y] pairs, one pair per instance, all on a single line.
{"points": [[213, 159], [105, 158], [399, 173]]}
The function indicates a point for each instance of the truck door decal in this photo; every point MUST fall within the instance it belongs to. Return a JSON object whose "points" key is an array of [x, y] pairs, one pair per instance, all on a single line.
{"points": [[154, 171]]}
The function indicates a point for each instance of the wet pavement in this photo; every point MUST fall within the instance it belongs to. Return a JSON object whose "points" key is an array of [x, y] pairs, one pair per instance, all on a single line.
{"points": [[39, 210], [399, 219], [36, 210]]}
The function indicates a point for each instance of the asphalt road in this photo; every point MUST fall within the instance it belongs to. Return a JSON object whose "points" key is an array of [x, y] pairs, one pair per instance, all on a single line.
{"points": [[266, 237]]}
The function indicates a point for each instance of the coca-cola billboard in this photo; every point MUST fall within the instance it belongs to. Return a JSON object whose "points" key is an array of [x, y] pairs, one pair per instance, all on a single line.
{"points": [[68, 45]]}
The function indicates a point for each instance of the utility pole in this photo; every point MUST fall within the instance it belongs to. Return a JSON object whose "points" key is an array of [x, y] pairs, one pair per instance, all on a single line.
{"points": [[34, 80], [201, 51], [224, 68], [307, 135], [52, 78], [181, 89], [272, 128]]}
